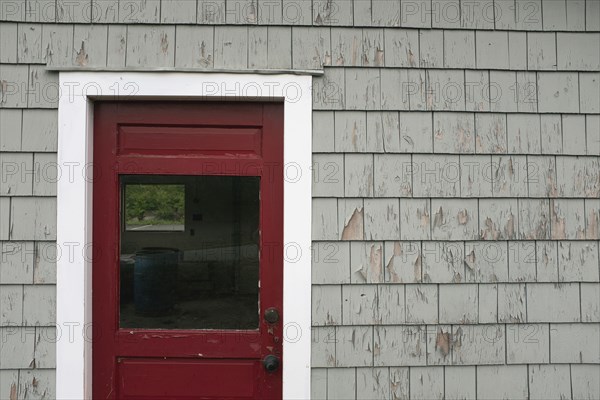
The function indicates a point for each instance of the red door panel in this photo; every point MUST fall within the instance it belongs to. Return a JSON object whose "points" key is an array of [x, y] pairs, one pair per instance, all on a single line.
{"points": [[186, 141], [185, 379]]}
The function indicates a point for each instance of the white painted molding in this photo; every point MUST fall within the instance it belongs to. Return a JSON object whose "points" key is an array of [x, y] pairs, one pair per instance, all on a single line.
{"points": [[74, 192]]}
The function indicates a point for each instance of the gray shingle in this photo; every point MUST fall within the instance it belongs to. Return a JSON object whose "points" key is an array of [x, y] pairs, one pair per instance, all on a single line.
{"points": [[383, 132], [311, 47], [37, 384], [270, 12], [11, 298], [323, 131], [231, 47], [477, 14], [427, 383], [492, 50], [372, 383], [326, 305], [454, 219], [324, 219], [323, 347], [527, 343], [13, 93], [177, 11], [33, 218], [354, 346], [578, 261], [459, 304], [330, 263], [391, 304], [589, 101], [194, 46], [358, 170], [459, 383], [401, 47], [40, 131], [17, 262], [558, 92], [43, 90], [329, 90], [453, 132], [403, 262], [541, 50], [17, 347], [385, 13], [502, 382], [522, 261], [39, 305], [512, 303], [399, 345], [395, 91], [547, 261], [475, 176], [528, 15], [351, 131], [45, 347], [279, 47], [422, 304], [366, 262], [363, 89], [575, 343], [431, 54], [486, 262], [517, 49], [503, 97], [553, 302], [257, 47], [341, 383], [328, 175], [359, 304], [415, 219], [393, 175], [73, 11], [415, 13], [17, 174], [8, 43], [382, 219], [351, 219], [332, 13], [29, 44], [477, 90], [584, 382], [443, 262], [478, 344], [416, 132], [139, 11], [567, 219]]}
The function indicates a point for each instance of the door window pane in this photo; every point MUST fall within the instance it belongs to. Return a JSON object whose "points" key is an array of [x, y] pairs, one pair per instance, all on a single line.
{"points": [[202, 273], [159, 207]]}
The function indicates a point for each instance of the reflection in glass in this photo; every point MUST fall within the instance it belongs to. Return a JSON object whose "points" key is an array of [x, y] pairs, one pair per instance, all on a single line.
{"points": [[202, 275], [154, 207]]}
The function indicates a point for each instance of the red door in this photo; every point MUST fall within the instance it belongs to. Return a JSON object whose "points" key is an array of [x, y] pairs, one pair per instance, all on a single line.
{"points": [[188, 253]]}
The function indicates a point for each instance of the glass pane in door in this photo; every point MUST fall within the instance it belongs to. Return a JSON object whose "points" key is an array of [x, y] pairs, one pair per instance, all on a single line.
{"points": [[189, 252]]}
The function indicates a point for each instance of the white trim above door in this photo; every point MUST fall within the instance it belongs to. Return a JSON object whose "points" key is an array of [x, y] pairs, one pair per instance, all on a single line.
{"points": [[74, 214]]}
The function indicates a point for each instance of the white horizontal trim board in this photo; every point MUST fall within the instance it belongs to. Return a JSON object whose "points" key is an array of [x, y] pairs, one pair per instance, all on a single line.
{"points": [[74, 228]]}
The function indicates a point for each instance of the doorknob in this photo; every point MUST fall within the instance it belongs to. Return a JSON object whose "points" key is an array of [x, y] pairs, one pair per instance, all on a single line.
{"points": [[271, 315], [271, 363]]}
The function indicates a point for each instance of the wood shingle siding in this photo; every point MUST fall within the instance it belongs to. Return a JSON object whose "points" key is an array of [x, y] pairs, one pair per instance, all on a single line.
{"points": [[456, 180]]}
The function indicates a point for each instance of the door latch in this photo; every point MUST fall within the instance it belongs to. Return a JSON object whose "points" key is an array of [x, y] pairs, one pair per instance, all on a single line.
{"points": [[271, 363], [271, 315]]}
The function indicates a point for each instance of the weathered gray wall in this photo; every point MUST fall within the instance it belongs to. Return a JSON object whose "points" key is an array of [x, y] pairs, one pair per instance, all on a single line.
{"points": [[456, 180]]}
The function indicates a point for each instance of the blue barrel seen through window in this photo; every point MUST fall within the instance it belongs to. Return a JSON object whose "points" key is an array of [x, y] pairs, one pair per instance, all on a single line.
{"points": [[155, 278]]}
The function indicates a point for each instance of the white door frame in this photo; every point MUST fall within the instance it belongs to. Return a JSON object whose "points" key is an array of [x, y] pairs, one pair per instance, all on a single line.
{"points": [[74, 226]]}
